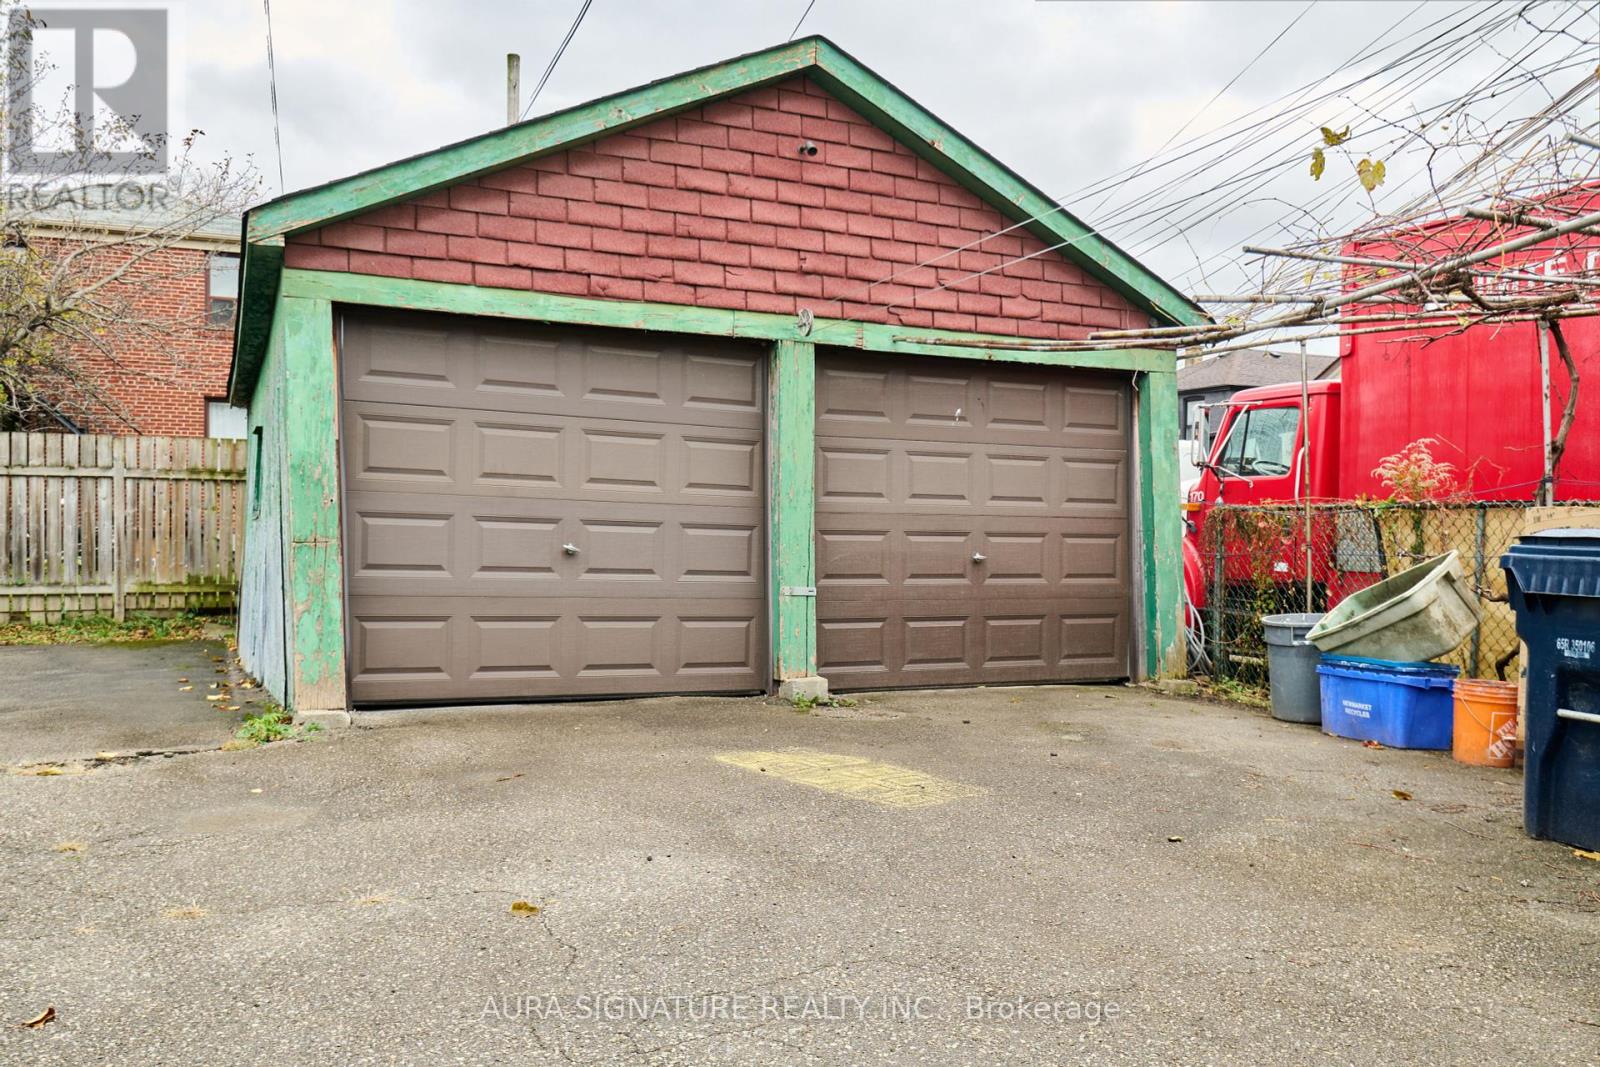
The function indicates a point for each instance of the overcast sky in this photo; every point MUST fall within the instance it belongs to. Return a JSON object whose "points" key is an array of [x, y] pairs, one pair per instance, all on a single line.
{"points": [[1065, 93]]}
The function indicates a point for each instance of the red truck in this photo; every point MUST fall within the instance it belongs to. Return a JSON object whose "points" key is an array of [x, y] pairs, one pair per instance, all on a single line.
{"points": [[1474, 396]]}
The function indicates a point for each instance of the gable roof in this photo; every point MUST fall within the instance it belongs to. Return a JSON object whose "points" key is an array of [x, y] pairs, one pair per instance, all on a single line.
{"points": [[874, 98], [1248, 368]]}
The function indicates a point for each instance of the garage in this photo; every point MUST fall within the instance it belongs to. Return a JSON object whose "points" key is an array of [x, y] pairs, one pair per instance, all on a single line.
{"points": [[973, 524], [535, 511], [759, 378]]}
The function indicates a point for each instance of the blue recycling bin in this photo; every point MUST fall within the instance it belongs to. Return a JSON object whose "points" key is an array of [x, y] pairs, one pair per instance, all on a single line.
{"points": [[1554, 582], [1397, 704]]}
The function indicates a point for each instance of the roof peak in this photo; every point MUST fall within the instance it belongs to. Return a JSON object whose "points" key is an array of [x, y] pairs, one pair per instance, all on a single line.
{"points": [[816, 56]]}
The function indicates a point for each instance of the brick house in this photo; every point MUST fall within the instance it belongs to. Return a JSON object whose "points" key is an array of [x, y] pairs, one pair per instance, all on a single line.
{"points": [[169, 379], [694, 388]]}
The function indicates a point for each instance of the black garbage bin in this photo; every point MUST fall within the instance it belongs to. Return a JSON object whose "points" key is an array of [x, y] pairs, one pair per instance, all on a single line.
{"points": [[1554, 582]]}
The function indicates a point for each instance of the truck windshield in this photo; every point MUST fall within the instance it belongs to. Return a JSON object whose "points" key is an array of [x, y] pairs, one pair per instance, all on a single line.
{"points": [[1261, 442]]}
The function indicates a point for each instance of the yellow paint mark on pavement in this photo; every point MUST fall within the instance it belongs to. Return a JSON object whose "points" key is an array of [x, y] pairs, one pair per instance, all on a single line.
{"points": [[854, 776]]}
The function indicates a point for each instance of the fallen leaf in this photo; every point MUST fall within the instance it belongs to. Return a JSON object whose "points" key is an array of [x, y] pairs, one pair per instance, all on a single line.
{"points": [[183, 679], [1174, 838], [185, 688], [69, 846], [43, 1018], [508, 777], [1400, 794], [230, 707], [522, 907], [1585, 854], [216, 696], [191, 911], [1371, 744]]}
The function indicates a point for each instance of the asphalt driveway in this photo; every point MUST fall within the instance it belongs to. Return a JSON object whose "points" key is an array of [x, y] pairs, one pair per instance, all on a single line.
{"points": [[1042, 875], [61, 702]]}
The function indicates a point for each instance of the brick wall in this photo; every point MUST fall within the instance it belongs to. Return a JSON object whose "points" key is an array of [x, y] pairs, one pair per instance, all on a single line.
{"points": [[717, 207], [166, 363]]}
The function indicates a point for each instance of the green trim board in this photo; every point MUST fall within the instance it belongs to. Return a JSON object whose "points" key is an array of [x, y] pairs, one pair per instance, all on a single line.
{"points": [[1160, 523], [791, 508], [682, 318], [314, 577]]}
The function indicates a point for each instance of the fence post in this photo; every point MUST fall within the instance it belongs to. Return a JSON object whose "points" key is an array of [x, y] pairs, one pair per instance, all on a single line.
{"points": [[1477, 586], [1214, 526], [119, 525]]}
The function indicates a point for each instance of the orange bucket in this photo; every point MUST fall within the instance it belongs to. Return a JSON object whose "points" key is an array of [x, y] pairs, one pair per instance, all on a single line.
{"points": [[1485, 722]]}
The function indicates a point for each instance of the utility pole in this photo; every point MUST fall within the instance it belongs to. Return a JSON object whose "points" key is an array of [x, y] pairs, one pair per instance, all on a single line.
{"points": [[513, 88], [1305, 465], [1547, 483]]}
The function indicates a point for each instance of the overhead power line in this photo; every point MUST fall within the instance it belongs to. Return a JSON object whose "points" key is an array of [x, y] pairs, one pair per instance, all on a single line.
{"points": [[1179, 132], [802, 21], [272, 85], [560, 51], [1409, 68]]}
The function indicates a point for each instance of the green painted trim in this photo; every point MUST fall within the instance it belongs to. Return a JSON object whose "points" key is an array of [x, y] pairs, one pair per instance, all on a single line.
{"points": [[791, 506], [1161, 524], [408, 293], [838, 71], [315, 578], [261, 270]]}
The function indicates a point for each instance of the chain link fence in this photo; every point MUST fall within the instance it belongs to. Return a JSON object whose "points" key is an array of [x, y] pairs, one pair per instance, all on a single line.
{"points": [[1271, 560]]}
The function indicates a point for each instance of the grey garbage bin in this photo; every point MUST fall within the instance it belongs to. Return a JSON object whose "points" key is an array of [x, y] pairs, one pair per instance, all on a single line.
{"points": [[1292, 667]]}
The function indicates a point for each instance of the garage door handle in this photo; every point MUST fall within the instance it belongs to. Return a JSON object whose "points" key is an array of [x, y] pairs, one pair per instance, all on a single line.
{"points": [[570, 549], [978, 557], [1581, 716]]}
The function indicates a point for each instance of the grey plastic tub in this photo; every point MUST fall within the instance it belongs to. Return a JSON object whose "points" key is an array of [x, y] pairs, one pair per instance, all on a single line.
{"points": [[1419, 614], [1292, 667]]}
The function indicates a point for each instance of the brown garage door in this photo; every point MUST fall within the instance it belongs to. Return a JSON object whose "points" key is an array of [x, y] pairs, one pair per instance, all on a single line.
{"points": [[972, 523], [539, 511]]}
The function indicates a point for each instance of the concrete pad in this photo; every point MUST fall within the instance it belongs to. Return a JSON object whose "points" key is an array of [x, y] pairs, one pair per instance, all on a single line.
{"points": [[1111, 876], [66, 702], [812, 687]]}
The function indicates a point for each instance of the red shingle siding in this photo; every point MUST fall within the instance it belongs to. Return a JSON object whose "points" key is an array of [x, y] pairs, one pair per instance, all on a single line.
{"points": [[716, 207], [163, 375]]}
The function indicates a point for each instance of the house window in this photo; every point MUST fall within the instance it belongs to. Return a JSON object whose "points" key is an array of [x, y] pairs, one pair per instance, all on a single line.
{"points": [[222, 288], [225, 420]]}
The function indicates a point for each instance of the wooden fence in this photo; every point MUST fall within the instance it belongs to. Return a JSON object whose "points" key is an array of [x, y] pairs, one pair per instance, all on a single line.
{"points": [[102, 525]]}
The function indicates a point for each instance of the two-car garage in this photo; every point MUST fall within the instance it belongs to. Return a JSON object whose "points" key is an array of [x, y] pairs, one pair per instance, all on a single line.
{"points": [[755, 377], [536, 512]]}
